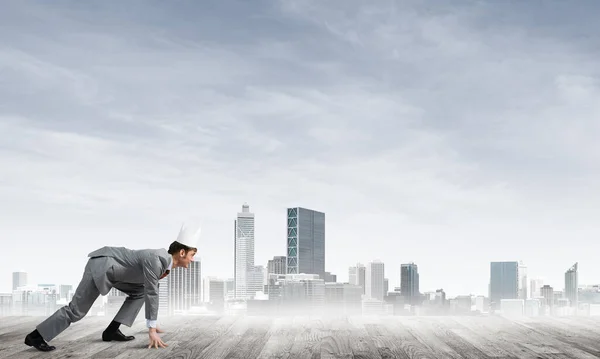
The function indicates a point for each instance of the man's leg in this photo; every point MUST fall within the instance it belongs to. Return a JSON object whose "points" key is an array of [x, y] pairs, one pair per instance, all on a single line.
{"points": [[83, 299], [128, 312]]}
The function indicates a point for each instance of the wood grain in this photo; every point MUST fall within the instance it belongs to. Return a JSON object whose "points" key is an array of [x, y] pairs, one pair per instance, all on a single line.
{"points": [[368, 337]]}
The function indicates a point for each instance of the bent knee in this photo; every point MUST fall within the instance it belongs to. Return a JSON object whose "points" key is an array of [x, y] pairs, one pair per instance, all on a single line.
{"points": [[135, 296]]}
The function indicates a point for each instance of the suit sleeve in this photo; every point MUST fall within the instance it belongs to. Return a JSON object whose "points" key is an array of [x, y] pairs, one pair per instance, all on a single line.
{"points": [[152, 268]]}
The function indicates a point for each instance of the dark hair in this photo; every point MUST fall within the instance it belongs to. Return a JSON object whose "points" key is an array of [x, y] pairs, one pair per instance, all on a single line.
{"points": [[175, 247]]}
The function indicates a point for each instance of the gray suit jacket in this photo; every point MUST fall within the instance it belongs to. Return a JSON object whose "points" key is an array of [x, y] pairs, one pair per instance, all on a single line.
{"points": [[118, 264]]}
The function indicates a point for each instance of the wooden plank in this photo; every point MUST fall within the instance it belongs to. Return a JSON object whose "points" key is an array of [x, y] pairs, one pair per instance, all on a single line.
{"points": [[584, 327], [484, 337], [86, 328], [461, 345], [568, 328], [336, 344], [594, 319], [573, 335], [10, 319], [421, 328], [176, 329], [307, 343], [192, 342], [12, 324], [281, 338], [562, 356], [362, 345], [173, 328], [528, 343], [254, 339], [395, 343], [591, 322], [540, 332], [201, 332], [366, 337], [81, 340], [16, 330], [221, 346]]}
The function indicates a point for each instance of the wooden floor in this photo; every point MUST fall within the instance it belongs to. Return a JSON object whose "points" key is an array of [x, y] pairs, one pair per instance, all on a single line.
{"points": [[305, 337]]}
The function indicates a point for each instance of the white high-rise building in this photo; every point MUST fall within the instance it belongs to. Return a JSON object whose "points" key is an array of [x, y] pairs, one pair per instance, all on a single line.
{"points": [[163, 297], [244, 250], [230, 288], [184, 287], [572, 286], [522, 281], [19, 279], [352, 275], [356, 276], [214, 290], [535, 286], [256, 281], [374, 280], [214, 294]]}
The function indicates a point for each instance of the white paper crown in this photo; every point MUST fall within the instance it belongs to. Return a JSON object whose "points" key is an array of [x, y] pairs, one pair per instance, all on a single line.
{"points": [[188, 236]]}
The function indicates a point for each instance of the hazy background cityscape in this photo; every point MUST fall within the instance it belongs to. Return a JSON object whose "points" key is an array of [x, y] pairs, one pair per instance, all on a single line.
{"points": [[298, 283], [427, 133]]}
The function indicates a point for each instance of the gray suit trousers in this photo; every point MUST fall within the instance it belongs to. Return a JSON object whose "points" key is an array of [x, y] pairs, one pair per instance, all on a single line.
{"points": [[83, 299], [133, 303]]}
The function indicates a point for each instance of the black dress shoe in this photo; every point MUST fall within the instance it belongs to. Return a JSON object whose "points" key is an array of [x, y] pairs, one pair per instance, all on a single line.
{"points": [[116, 336], [38, 343]]}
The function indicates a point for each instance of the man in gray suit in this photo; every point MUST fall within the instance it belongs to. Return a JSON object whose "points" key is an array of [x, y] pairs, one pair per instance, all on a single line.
{"points": [[133, 272]]}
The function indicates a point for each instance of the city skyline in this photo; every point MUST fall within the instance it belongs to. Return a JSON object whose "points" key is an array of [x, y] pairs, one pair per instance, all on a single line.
{"points": [[505, 280], [251, 254], [245, 230], [446, 133]]}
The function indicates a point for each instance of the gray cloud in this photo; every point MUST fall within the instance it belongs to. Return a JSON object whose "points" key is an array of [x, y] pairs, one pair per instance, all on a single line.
{"points": [[449, 133]]}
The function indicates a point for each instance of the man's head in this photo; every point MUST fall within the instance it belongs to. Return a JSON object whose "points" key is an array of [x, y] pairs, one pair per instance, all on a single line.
{"points": [[182, 254], [186, 245]]}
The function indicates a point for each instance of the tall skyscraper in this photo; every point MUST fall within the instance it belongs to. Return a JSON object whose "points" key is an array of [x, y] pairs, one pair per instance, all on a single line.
{"points": [[374, 280], [244, 250], [409, 283], [504, 282], [572, 285], [305, 241], [19, 279], [523, 292]]}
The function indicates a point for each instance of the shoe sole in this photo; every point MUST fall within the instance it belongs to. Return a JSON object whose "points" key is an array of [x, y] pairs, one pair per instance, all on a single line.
{"points": [[115, 340], [28, 343]]}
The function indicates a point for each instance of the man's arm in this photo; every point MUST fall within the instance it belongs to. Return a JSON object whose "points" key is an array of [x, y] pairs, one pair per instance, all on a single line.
{"points": [[152, 267]]}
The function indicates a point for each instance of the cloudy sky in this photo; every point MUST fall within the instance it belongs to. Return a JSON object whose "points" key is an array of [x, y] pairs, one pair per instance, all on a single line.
{"points": [[448, 133]]}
